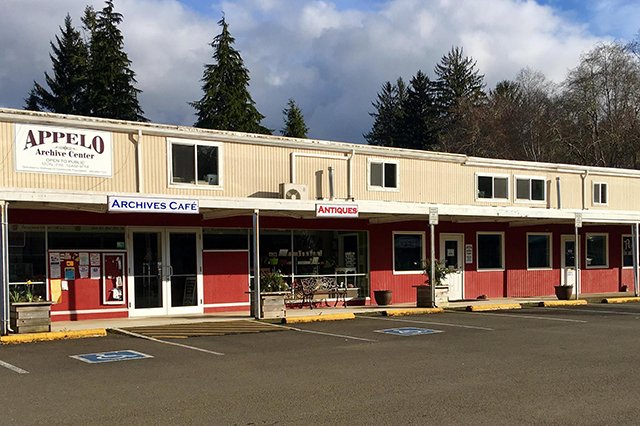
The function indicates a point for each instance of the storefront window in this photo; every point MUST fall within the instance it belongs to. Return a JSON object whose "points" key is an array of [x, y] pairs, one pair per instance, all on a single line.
{"points": [[408, 252], [303, 253], [627, 251], [597, 251], [86, 238], [225, 239], [27, 259], [539, 251], [490, 254]]}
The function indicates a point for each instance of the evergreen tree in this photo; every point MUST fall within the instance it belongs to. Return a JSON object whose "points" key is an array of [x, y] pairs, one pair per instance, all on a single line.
{"points": [[389, 115], [67, 87], [420, 114], [294, 125], [32, 102], [227, 103], [458, 81], [111, 91], [459, 91]]}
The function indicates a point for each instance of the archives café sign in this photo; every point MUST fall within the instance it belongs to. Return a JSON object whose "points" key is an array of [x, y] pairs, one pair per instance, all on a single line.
{"points": [[48, 149]]}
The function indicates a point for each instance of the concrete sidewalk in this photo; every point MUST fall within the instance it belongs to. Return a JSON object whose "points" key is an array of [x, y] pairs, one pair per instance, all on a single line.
{"points": [[87, 328], [299, 312]]}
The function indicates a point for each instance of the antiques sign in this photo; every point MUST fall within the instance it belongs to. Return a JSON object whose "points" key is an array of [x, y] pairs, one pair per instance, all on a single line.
{"points": [[47, 149]]}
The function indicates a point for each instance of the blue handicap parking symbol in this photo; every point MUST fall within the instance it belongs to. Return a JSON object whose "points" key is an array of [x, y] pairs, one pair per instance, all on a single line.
{"points": [[99, 357], [408, 331]]}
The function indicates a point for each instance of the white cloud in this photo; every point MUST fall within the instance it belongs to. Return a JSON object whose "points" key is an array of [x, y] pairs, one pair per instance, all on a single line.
{"points": [[332, 60]]}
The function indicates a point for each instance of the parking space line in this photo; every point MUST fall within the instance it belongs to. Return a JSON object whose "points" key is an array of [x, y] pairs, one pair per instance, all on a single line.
{"points": [[153, 339], [525, 316], [598, 311], [13, 368], [430, 322], [324, 333]]}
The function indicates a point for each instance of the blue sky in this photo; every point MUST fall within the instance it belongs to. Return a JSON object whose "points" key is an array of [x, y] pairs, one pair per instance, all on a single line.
{"points": [[332, 57]]}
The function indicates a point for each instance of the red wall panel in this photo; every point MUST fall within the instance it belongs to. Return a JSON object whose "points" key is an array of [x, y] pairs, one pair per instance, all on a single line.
{"points": [[226, 276]]}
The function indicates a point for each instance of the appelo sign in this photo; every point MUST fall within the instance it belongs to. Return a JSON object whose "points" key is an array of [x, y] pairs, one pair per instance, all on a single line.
{"points": [[337, 210], [47, 149]]}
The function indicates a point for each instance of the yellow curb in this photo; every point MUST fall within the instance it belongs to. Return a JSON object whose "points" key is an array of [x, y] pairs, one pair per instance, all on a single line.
{"points": [[477, 308], [621, 300], [563, 302], [315, 318], [54, 335], [417, 311]]}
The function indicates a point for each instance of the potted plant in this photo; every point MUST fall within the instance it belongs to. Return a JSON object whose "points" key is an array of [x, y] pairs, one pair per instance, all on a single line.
{"points": [[563, 292], [273, 290], [29, 313], [423, 296], [382, 297]]}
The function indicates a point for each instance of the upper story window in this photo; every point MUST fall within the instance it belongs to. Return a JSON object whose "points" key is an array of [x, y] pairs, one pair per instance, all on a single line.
{"points": [[530, 189], [195, 163], [383, 175], [492, 187], [600, 195]]}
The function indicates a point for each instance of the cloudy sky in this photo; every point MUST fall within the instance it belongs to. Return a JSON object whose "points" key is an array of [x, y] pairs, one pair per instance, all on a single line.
{"points": [[330, 56]]}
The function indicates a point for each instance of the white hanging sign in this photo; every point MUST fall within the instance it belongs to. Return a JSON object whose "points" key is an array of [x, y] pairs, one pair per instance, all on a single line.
{"points": [[336, 210], [61, 150], [152, 205]]}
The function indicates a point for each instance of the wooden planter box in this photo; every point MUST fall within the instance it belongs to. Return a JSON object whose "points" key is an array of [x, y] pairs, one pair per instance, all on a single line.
{"points": [[30, 317], [272, 305], [423, 296]]}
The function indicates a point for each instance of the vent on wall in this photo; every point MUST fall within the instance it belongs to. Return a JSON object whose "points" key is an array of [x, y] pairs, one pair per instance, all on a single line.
{"points": [[293, 191]]}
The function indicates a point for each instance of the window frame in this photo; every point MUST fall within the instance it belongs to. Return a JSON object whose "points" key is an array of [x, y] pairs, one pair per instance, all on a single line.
{"points": [[550, 246], [423, 240], [593, 193], [586, 250], [622, 251], [502, 254], [383, 188], [529, 200], [493, 176], [195, 143]]}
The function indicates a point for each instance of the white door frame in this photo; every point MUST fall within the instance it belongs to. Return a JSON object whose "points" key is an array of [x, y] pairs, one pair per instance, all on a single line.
{"points": [[564, 238], [459, 237], [165, 309]]}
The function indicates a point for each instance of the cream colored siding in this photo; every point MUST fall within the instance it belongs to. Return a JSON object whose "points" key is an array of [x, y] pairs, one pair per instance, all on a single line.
{"points": [[123, 169]]}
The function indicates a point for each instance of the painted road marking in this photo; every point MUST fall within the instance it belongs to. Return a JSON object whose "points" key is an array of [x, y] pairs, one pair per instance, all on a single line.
{"points": [[524, 316], [408, 331], [100, 357], [13, 368], [473, 327], [599, 311], [153, 339], [342, 336]]}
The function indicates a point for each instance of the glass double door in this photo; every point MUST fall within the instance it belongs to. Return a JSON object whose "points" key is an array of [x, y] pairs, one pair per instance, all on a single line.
{"points": [[164, 271]]}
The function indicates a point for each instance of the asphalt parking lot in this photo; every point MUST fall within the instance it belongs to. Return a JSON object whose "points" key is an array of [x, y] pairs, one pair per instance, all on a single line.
{"points": [[573, 365]]}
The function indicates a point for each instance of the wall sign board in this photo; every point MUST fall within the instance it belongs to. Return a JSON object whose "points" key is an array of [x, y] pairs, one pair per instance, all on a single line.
{"points": [[62, 150], [337, 210], [152, 205]]}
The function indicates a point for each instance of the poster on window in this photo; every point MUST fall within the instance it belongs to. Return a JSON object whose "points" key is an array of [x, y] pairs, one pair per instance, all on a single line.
{"points": [[62, 150]]}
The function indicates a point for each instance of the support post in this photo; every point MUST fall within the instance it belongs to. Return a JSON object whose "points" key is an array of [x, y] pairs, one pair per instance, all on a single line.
{"points": [[4, 268], [578, 225], [256, 264], [433, 221], [634, 240]]}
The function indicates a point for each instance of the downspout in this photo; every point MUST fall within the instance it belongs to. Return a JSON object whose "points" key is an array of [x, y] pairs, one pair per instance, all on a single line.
{"points": [[350, 175], [4, 269], [139, 179], [584, 188], [558, 192]]}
